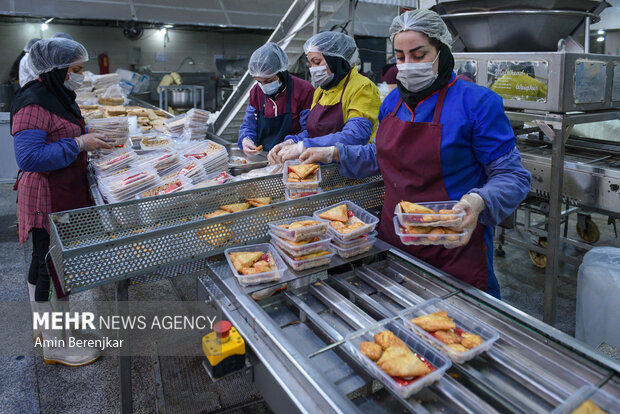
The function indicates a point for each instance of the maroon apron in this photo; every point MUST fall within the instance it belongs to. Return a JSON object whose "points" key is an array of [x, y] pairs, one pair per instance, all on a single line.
{"points": [[69, 187], [409, 156], [328, 119]]}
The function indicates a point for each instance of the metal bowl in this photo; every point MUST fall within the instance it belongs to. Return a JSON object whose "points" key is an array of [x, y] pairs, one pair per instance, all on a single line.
{"points": [[181, 98]]}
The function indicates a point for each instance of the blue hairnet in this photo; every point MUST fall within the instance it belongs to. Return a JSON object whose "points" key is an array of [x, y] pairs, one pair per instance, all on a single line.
{"points": [[62, 35], [51, 53], [30, 43], [333, 44], [424, 21], [267, 61]]}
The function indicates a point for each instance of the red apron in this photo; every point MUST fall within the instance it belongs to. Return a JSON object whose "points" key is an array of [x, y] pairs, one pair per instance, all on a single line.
{"points": [[409, 156], [328, 119]]}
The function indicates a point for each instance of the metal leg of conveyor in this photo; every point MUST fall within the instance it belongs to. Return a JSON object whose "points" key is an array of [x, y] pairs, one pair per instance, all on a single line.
{"points": [[122, 297], [558, 137]]}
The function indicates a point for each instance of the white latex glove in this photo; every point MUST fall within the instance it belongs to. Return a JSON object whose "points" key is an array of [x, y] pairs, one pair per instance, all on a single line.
{"points": [[319, 154], [472, 204], [249, 147], [291, 152], [92, 142], [273, 154]]}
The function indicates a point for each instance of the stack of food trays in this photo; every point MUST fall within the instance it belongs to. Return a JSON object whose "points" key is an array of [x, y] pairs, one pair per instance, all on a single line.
{"points": [[112, 163], [450, 330], [351, 227], [125, 186], [190, 169], [402, 361], [173, 185], [432, 223], [293, 194], [302, 242], [255, 264], [301, 178], [153, 142], [175, 125], [164, 161], [114, 130], [210, 156], [195, 126], [215, 179]]}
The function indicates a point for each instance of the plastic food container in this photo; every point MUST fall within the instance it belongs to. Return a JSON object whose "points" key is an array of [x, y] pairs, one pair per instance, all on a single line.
{"points": [[370, 220], [431, 220], [174, 185], [154, 142], [247, 280], [299, 265], [602, 399], [346, 252], [301, 233], [114, 161], [301, 250], [293, 193], [428, 239], [299, 186], [461, 319], [189, 169], [162, 161], [363, 239], [125, 186], [440, 362]]}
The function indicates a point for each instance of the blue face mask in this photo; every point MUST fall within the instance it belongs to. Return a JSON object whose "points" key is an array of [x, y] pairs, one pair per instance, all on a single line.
{"points": [[271, 87]]}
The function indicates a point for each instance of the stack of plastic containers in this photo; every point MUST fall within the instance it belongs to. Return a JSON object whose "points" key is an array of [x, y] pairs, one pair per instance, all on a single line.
{"points": [[114, 162], [125, 186], [174, 185], [302, 242], [164, 161], [352, 243], [210, 156], [195, 126], [429, 227], [309, 186], [175, 125], [276, 266], [114, 130]]}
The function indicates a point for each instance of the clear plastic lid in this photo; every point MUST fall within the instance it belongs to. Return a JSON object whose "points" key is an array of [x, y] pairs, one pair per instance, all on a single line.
{"points": [[162, 161], [293, 193], [463, 322], [592, 397], [355, 213], [428, 239], [302, 248], [278, 268], [154, 141], [437, 219], [360, 248], [302, 263], [311, 182], [280, 228], [125, 186], [345, 244], [439, 363], [115, 160], [174, 185]]}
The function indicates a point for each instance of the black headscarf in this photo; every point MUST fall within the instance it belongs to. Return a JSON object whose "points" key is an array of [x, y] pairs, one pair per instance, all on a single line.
{"points": [[444, 73], [339, 67], [50, 93]]}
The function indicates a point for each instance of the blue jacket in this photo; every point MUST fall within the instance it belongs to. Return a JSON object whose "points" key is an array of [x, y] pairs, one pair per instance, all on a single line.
{"points": [[34, 154], [478, 153]]}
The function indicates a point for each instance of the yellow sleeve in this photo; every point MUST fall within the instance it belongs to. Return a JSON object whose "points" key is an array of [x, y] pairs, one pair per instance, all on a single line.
{"points": [[363, 101]]}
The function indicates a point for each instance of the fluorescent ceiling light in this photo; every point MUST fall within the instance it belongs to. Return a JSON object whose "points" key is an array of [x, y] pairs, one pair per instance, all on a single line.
{"points": [[600, 39], [44, 26]]}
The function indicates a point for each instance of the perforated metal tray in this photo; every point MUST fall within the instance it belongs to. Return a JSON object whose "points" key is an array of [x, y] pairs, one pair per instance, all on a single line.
{"points": [[167, 235]]}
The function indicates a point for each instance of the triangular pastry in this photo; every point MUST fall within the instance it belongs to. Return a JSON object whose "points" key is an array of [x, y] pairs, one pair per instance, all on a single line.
{"points": [[338, 213]]}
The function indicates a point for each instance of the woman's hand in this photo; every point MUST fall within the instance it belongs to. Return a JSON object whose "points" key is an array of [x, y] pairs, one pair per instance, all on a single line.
{"points": [[291, 152], [472, 204], [274, 154], [92, 142], [249, 147], [319, 154]]}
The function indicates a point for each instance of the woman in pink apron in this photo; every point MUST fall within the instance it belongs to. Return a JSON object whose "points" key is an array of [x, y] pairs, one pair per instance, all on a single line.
{"points": [[50, 143], [345, 104], [440, 138]]}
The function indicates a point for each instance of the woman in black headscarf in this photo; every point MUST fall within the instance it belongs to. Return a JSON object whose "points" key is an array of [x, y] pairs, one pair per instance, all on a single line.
{"points": [[50, 143]]}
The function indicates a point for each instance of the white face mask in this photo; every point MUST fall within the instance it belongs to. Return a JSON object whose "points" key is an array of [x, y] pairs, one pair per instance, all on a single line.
{"points": [[358, 67], [271, 87], [319, 75], [75, 81], [417, 76]]}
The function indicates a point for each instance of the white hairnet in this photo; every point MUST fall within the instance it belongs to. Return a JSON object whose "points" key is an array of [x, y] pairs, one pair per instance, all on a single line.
{"points": [[62, 35], [424, 21], [333, 44], [30, 43], [267, 61], [48, 54]]}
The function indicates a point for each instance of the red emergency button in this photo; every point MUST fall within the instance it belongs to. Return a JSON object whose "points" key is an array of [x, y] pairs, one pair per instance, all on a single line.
{"points": [[222, 329]]}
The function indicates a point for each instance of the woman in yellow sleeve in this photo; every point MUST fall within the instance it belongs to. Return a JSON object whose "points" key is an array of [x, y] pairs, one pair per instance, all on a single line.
{"points": [[345, 107]]}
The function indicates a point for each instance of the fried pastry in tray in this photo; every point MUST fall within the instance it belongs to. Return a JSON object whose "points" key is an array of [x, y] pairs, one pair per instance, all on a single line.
{"points": [[442, 327], [394, 357]]}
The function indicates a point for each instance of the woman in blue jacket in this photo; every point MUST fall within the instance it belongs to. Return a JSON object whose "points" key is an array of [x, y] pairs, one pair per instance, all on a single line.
{"points": [[440, 138]]}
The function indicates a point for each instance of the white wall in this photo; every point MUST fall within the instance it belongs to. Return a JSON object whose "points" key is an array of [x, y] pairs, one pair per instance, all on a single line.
{"points": [[202, 46]]}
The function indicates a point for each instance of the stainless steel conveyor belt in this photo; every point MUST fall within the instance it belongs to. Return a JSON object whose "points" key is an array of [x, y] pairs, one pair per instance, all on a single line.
{"points": [[298, 366]]}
